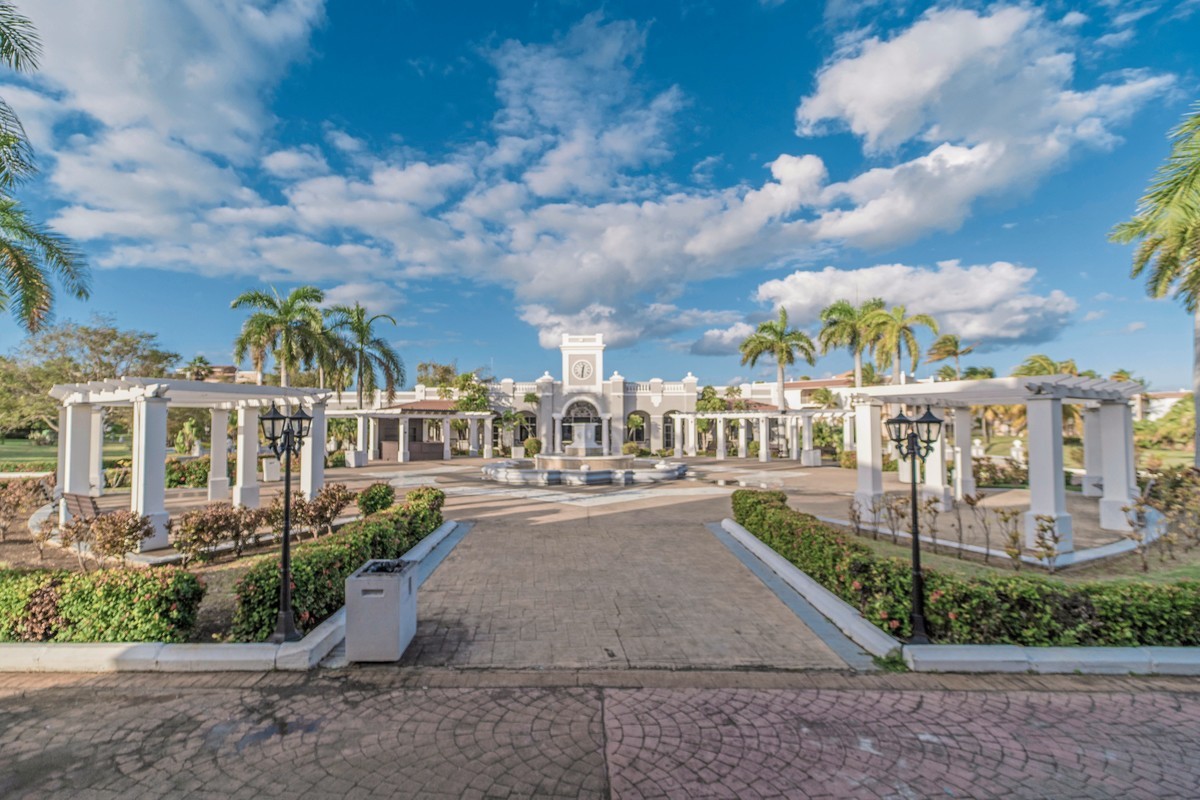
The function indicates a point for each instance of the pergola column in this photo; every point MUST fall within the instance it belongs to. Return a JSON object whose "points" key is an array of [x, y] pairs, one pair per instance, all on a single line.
{"points": [[312, 454], [741, 437], [691, 437], [809, 456], [1047, 495], [373, 451], [677, 422], [245, 491], [794, 438], [964, 465], [403, 451], [1093, 449], [605, 439], [868, 429], [96, 453], [218, 457], [558, 442], [488, 432], [473, 437], [1115, 467], [445, 439], [76, 464], [722, 437], [149, 483], [764, 439], [935, 474], [360, 438], [847, 432]]}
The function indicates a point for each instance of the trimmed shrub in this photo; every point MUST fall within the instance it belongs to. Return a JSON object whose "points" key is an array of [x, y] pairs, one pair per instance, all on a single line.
{"points": [[114, 605], [329, 502], [533, 447], [115, 534], [629, 449], [753, 449], [376, 498], [319, 569], [1014, 609], [848, 459], [335, 459], [199, 531]]}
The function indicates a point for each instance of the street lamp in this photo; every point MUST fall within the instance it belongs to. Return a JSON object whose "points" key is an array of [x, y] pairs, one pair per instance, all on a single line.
{"points": [[285, 435], [914, 440]]}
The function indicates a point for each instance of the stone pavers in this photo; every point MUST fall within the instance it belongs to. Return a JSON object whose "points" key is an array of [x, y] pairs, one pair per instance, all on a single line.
{"points": [[387, 732], [640, 583]]}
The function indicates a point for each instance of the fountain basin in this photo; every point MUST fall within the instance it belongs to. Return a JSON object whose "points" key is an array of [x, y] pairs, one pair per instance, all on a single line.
{"points": [[584, 471]]}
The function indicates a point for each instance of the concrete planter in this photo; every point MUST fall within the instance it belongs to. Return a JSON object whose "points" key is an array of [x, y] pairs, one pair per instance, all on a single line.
{"points": [[270, 470], [381, 610], [518, 451], [356, 458]]}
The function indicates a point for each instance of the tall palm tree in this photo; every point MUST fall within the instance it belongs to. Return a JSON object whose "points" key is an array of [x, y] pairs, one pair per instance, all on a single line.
{"points": [[979, 373], [371, 354], [254, 340], [1042, 364], [947, 373], [197, 369], [843, 324], [893, 332], [947, 346], [30, 253], [824, 398], [290, 326], [775, 339], [1167, 229]]}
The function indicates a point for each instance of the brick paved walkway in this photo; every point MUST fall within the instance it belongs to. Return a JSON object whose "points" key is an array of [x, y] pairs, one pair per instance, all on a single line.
{"points": [[374, 732], [620, 584]]}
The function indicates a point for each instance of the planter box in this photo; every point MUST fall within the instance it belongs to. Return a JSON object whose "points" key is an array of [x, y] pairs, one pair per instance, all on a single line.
{"points": [[356, 458], [270, 469], [381, 610], [518, 452]]}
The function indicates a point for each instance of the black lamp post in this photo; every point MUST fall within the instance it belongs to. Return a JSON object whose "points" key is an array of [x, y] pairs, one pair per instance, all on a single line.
{"points": [[914, 440], [285, 435]]}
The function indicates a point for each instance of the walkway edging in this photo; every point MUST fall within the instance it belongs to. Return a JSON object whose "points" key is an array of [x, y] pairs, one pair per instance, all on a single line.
{"points": [[835, 609], [303, 655]]}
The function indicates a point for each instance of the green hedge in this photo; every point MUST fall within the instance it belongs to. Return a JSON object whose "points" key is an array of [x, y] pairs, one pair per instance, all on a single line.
{"points": [[112, 605], [1008, 609], [320, 568]]}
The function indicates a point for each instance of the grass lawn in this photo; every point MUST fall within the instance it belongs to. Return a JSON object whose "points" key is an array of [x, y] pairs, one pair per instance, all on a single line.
{"points": [[20, 450], [1072, 455]]}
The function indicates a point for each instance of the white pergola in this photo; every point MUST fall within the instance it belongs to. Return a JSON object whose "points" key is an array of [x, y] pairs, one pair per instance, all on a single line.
{"points": [[797, 423], [1109, 459], [367, 421], [81, 438]]}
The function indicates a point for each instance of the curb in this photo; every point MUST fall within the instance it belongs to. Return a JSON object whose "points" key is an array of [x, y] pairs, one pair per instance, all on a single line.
{"points": [[303, 655]]}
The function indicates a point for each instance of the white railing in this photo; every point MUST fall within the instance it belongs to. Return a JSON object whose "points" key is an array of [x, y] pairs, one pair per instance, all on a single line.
{"points": [[674, 388]]}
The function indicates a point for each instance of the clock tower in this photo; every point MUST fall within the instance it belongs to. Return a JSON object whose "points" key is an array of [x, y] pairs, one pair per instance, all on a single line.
{"points": [[583, 362]]}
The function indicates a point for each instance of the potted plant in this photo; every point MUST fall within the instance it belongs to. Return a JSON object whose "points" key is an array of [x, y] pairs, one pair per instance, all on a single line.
{"points": [[381, 610]]}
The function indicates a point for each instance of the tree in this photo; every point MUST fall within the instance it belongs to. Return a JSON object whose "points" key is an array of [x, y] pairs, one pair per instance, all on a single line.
{"points": [[1041, 364], [289, 326], [893, 332], [775, 339], [824, 398], [431, 373], [197, 369], [949, 346], [473, 394], [372, 354], [1167, 229], [634, 424], [844, 325], [946, 373], [978, 373], [709, 401]]}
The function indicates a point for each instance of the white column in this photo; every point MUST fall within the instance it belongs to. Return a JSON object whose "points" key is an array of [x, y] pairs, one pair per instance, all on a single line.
{"points": [[245, 491], [848, 433], [605, 440], [868, 429], [218, 457], [445, 439], [793, 434], [764, 439], [654, 436], [1131, 451], [488, 433], [964, 466], [677, 422], [935, 473], [558, 442], [1115, 467], [373, 450], [360, 439], [403, 451], [312, 454], [473, 437], [76, 435], [1047, 495], [692, 437], [810, 456], [61, 476], [722, 434], [149, 479], [96, 453], [1093, 463], [742, 438]]}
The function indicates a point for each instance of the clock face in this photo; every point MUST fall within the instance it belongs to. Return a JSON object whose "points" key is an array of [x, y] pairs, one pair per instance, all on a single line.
{"points": [[582, 370]]}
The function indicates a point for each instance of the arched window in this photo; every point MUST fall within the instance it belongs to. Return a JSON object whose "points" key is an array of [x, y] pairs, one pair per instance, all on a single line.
{"points": [[669, 430], [580, 412], [527, 427]]}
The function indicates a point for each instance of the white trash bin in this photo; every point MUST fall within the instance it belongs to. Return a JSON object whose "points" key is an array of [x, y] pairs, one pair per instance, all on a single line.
{"points": [[381, 610]]}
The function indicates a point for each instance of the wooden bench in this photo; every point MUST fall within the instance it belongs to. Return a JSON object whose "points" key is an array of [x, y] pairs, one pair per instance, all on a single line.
{"points": [[81, 505]]}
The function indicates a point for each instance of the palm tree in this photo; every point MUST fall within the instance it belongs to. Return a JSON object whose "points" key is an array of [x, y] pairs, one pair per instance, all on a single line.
{"points": [[775, 339], [893, 333], [1041, 364], [979, 373], [197, 369], [371, 354], [1167, 229], [254, 340], [824, 398], [949, 346], [946, 373], [290, 326], [844, 325]]}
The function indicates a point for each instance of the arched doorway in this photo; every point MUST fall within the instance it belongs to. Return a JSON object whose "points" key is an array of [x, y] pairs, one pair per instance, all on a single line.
{"points": [[581, 412]]}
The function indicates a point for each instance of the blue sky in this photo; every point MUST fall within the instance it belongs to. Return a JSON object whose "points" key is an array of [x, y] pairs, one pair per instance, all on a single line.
{"points": [[495, 174]]}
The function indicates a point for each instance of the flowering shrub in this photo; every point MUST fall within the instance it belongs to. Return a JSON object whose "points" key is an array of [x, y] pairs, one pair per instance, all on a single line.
{"points": [[1008, 609], [319, 569], [118, 533], [999, 473], [199, 531], [114, 605], [325, 507], [375, 498]]}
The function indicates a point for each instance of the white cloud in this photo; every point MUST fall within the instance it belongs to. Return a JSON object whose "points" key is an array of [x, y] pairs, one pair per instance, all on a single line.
{"points": [[376, 297], [722, 341], [1134, 327], [990, 303], [621, 327], [297, 162], [1092, 316]]}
